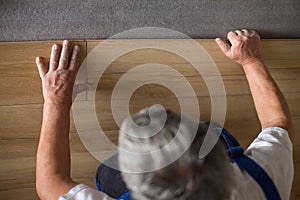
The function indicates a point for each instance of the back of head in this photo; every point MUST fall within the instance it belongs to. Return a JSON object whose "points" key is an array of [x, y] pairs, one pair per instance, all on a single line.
{"points": [[187, 177]]}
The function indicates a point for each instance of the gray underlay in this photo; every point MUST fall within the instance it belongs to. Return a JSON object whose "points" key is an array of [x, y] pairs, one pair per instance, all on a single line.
{"points": [[26, 20]]}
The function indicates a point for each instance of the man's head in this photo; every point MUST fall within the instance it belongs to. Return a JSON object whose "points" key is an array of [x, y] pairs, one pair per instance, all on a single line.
{"points": [[188, 177]]}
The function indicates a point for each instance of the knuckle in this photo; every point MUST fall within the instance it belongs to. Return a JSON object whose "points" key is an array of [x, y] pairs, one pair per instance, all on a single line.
{"points": [[246, 38], [73, 62], [239, 40], [63, 75], [63, 59]]}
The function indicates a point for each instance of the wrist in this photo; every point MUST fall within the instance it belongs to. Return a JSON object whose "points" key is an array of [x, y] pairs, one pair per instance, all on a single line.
{"points": [[57, 105], [249, 63]]}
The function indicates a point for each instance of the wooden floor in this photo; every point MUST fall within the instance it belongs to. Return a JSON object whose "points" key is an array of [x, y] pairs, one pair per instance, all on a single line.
{"points": [[21, 103]]}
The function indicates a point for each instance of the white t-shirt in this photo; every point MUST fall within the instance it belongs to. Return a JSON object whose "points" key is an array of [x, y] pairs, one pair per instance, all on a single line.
{"points": [[272, 150]]}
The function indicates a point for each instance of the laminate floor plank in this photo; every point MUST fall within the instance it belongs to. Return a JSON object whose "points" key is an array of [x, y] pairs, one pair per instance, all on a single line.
{"points": [[21, 100]]}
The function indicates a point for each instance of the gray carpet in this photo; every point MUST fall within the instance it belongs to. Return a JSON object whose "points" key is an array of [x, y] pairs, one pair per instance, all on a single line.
{"points": [[25, 20]]}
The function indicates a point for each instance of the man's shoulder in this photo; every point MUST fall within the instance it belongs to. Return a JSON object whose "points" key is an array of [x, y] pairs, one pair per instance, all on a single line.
{"points": [[274, 139], [273, 151]]}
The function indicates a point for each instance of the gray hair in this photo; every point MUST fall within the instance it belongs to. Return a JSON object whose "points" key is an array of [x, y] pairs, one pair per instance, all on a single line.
{"points": [[188, 177]]}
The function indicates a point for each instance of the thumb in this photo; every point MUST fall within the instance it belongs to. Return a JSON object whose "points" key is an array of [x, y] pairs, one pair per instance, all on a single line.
{"points": [[224, 46]]}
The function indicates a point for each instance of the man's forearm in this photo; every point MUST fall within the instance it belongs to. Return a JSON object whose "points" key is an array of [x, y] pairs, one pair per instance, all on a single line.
{"points": [[53, 156], [270, 104]]}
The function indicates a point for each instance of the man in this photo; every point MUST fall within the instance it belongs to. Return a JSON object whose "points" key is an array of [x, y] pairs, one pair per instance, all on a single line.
{"points": [[213, 177]]}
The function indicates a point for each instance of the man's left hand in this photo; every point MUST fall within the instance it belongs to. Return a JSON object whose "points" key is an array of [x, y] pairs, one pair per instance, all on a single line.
{"points": [[59, 78]]}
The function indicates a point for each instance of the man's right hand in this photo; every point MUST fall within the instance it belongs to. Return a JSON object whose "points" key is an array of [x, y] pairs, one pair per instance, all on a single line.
{"points": [[245, 48], [270, 104]]}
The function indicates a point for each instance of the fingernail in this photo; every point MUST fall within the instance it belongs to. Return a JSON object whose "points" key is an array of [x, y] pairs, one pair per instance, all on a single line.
{"points": [[55, 47], [38, 59], [76, 47], [66, 42], [217, 39]]}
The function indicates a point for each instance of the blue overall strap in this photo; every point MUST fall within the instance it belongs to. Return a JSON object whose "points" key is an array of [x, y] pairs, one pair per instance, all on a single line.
{"points": [[237, 155], [124, 196], [99, 187]]}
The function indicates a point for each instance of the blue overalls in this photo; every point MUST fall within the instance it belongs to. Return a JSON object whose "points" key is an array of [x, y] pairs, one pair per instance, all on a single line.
{"points": [[236, 153]]}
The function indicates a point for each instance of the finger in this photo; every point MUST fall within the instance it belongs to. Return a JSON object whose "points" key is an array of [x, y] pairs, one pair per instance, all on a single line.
{"points": [[245, 32], [254, 33], [251, 32], [231, 35], [41, 66], [64, 57], [74, 58], [224, 46], [239, 33], [54, 57]]}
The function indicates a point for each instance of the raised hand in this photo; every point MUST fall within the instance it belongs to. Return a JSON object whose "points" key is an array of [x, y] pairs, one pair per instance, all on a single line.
{"points": [[245, 46]]}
